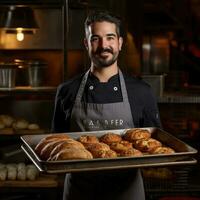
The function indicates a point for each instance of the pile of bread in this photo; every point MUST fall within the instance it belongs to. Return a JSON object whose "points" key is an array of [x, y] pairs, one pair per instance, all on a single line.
{"points": [[7, 121], [135, 142], [18, 171]]}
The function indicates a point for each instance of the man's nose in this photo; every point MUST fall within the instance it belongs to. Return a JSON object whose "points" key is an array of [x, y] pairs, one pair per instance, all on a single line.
{"points": [[103, 43]]}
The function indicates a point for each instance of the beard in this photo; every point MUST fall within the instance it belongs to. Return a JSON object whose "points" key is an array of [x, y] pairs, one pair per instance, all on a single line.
{"points": [[103, 60]]}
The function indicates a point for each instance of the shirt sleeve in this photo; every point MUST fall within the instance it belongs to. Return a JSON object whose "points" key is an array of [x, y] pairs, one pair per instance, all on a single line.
{"points": [[60, 121], [151, 116]]}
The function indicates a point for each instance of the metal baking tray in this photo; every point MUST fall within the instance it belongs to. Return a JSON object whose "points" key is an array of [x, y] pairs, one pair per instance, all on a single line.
{"points": [[184, 154]]}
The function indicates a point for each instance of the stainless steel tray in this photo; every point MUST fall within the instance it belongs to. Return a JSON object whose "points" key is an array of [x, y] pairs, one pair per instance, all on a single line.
{"points": [[184, 154]]}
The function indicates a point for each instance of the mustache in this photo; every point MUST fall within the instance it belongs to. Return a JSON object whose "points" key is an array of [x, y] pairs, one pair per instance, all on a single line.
{"points": [[102, 50]]}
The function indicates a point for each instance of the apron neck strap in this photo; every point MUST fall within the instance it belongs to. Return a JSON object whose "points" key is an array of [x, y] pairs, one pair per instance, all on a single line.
{"points": [[82, 87], [84, 80]]}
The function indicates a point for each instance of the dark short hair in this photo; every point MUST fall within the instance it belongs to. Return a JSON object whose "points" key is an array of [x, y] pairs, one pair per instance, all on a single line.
{"points": [[101, 16]]}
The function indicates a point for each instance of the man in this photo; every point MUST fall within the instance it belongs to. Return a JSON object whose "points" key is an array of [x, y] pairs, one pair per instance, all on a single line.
{"points": [[103, 98]]}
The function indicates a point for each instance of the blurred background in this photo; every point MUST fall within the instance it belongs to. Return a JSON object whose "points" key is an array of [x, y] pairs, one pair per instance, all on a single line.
{"points": [[41, 46]]}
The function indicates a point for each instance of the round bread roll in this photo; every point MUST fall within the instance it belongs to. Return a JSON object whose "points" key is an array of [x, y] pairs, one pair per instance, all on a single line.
{"points": [[97, 147], [33, 127], [88, 139], [7, 120], [31, 172], [20, 124], [130, 152], [2, 125], [21, 171], [147, 145], [109, 138], [72, 154], [69, 143], [100, 150], [163, 150], [3, 174], [11, 171], [136, 134], [104, 154], [44, 141], [121, 146]]}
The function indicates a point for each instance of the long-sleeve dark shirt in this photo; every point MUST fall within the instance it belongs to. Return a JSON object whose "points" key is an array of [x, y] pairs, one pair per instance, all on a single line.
{"points": [[142, 101]]}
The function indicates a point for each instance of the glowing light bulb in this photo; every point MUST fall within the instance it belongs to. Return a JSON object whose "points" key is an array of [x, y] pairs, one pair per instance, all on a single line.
{"points": [[20, 35]]}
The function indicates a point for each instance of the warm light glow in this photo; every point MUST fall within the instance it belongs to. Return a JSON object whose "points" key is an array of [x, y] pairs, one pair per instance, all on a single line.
{"points": [[20, 35], [146, 46]]}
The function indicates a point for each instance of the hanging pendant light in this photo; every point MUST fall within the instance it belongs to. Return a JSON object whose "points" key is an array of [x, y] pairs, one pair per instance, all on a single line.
{"points": [[18, 20]]}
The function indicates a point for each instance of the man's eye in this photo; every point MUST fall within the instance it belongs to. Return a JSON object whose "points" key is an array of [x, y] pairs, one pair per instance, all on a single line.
{"points": [[110, 38], [94, 39]]}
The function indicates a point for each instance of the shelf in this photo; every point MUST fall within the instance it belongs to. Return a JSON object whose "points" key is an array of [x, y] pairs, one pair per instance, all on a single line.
{"points": [[188, 95], [29, 89], [42, 181], [46, 90], [179, 99], [10, 131]]}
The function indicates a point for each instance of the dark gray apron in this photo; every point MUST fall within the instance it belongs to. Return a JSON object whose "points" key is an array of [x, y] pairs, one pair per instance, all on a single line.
{"points": [[103, 185]]}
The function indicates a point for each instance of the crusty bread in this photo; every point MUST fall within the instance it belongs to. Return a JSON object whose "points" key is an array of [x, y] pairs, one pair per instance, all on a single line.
{"points": [[47, 149], [120, 146], [20, 124], [97, 147], [130, 152], [136, 134], [69, 143], [7, 120], [2, 125], [147, 145], [88, 139], [100, 150], [51, 138], [72, 154], [104, 154], [163, 150], [109, 138], [33, 127]]}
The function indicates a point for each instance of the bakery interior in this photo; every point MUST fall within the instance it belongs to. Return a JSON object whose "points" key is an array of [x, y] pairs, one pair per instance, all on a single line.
{"points": [[162, 47]]}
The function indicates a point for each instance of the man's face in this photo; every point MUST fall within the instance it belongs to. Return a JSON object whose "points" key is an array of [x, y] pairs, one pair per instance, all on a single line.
{"points": [[103, 44]]}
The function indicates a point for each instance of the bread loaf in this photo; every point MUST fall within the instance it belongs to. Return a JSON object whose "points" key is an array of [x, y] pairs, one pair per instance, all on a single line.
{"points": [[51, 138], [163, 150], [31, 172], [2, 125], [121, 146], [46, 151], [130, 152], [72, 154], [136, 134], [69, 143], [7, 120], [11, 171], [147, 145], [85, 139], [20, 124], [109, 138], [33, 127], [21, 171], [3, 172]]}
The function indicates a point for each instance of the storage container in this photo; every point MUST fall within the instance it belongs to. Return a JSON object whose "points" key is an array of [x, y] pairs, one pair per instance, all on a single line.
{"points": [[7, 75], [157, 83]]}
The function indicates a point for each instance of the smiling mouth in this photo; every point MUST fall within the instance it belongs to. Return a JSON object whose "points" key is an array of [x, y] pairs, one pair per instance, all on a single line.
{"points": [[105, 53]]}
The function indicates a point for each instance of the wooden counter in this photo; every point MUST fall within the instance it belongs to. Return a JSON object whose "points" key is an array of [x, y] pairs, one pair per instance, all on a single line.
{"points": [[43, 181]]}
